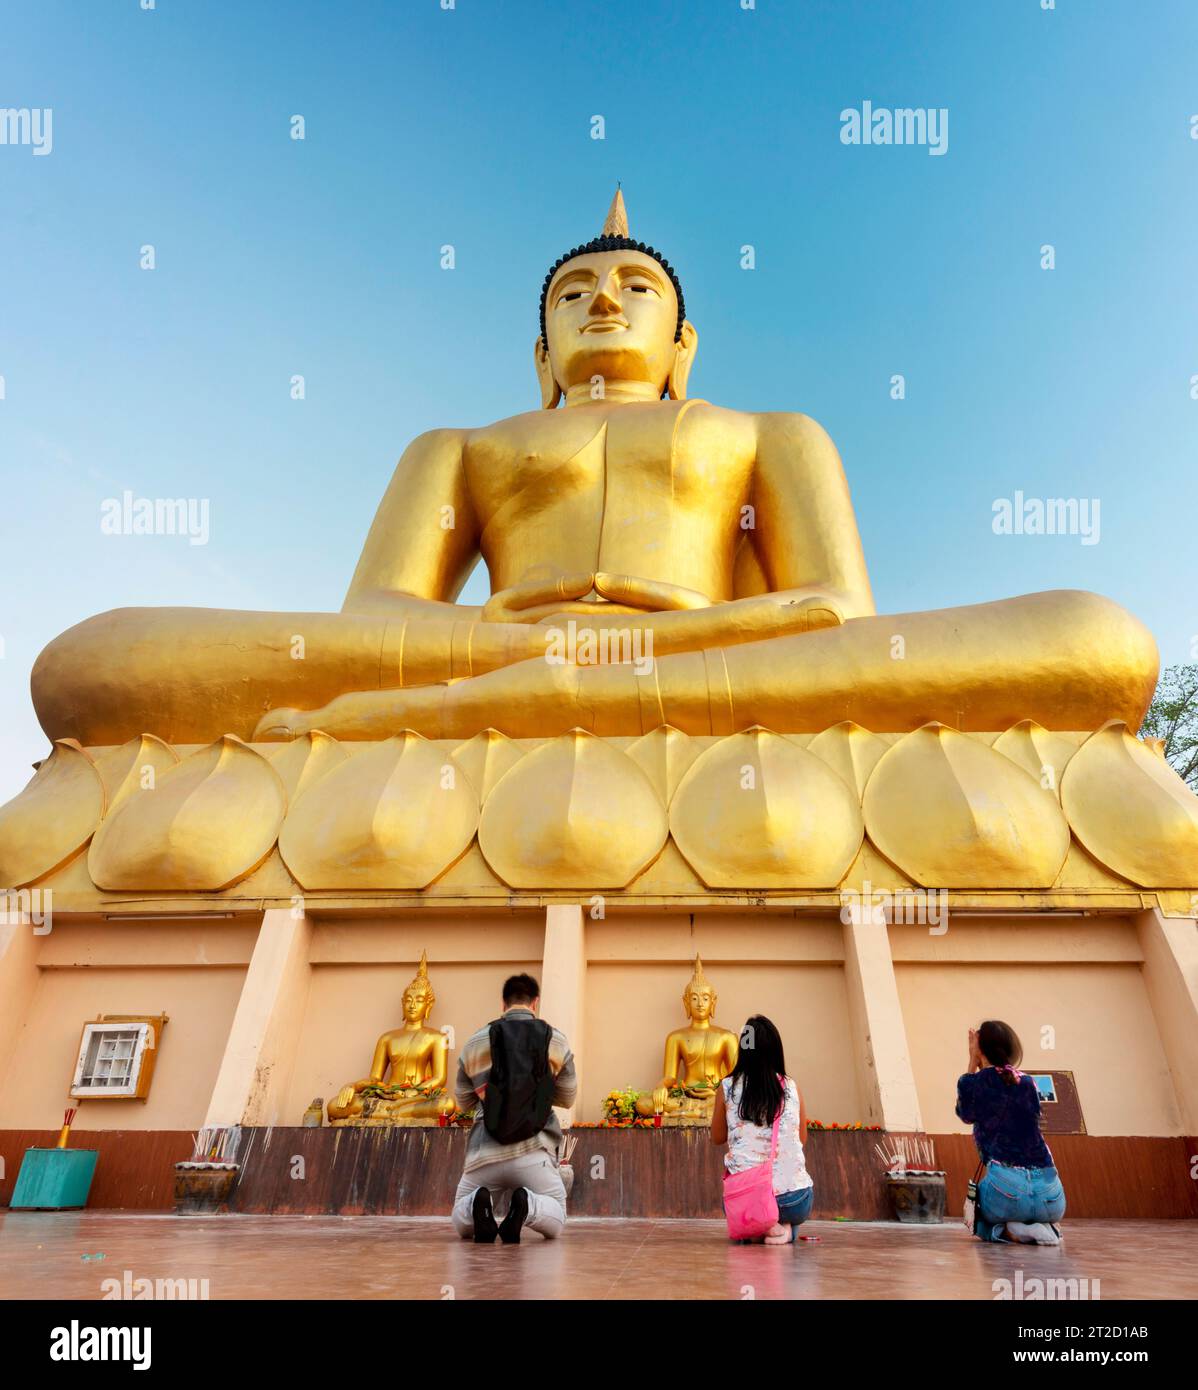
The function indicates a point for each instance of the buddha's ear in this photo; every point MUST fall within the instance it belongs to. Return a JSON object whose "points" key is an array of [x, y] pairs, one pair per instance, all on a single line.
{"points": [[684, 359], [551, 392]]}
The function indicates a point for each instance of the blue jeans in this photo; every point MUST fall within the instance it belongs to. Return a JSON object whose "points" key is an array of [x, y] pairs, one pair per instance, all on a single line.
{"points": [[1017, 1194], [795, 1207]]}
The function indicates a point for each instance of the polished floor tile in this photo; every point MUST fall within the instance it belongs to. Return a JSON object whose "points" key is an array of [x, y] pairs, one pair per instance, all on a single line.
{"points": [[71, 1254]]}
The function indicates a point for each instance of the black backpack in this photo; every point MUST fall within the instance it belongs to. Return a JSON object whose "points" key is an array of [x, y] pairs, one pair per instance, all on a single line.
{"points": [[520, 1088]]}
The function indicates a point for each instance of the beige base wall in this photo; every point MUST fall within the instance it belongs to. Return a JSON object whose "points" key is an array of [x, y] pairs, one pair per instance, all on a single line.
{"points": [[264, 1018], [1074, 991], [192, 972]]}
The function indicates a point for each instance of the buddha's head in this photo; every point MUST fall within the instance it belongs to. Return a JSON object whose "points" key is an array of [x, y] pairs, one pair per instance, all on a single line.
{"points": [[418, 998], [613, 309], [698, 998]]}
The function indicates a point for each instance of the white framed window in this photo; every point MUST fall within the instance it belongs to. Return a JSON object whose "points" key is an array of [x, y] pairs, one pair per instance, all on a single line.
{"points": [[110, 1059]]}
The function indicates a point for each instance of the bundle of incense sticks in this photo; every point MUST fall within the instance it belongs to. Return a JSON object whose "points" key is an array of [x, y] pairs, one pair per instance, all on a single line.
{"points": [[569, 1144], [212, 1143], [905, 1152], [68, 1119]]}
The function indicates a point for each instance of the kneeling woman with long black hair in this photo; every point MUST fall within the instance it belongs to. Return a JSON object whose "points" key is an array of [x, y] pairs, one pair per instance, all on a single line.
{"points": [[745, 1109]]}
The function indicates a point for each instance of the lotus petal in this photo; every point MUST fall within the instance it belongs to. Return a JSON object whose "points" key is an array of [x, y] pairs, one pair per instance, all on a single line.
{"points": [[205, 824], [664, 756], [395, 816], [52, 818], [1042, 754], [305, 760], [953, 813], [1132, 811], [757, 811], [850, 750], [573, 813], [485, 758]]}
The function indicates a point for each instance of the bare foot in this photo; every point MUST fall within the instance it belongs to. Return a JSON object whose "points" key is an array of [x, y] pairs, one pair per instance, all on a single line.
{"points": [[377, 714], [778, 1234], [279, 726]]}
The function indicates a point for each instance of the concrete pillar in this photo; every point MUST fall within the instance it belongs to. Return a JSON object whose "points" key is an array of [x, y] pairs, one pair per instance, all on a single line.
{"points": [[1170, 946], [563, 980], [255, 1071], [19, 948], [885, 1079]]}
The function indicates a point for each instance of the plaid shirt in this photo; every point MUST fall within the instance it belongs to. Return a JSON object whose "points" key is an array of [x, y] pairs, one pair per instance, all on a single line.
{"points": [[474, 1070]]}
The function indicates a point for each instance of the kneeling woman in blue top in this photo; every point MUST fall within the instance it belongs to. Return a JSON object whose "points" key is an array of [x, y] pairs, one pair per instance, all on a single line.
{"points": [[1021, 1197]]}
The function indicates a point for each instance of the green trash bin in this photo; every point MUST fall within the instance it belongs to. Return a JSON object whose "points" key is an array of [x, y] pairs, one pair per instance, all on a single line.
{"points": [[54, 1179]]}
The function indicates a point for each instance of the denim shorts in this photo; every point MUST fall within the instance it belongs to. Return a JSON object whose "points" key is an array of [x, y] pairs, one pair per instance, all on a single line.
{"points": [[795, 1207], [1017, 1194]]}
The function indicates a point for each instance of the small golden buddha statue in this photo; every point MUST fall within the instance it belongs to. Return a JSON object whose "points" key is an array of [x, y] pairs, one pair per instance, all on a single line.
{"points": [[698, 1057], [417, 1058], [725, 539]]}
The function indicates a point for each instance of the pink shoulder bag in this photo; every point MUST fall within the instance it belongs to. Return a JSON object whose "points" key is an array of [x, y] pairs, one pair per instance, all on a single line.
{"points": [[749, 1201]]}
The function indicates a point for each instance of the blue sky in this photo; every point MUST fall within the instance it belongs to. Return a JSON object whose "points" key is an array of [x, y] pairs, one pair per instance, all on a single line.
{"points": [[472, 127]]}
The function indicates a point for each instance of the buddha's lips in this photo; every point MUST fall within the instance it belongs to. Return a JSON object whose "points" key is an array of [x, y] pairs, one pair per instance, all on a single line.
{"points": [[605, 326]]}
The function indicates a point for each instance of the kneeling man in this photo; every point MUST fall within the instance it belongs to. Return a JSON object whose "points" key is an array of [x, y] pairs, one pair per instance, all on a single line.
{"points": [[520, 1068]]}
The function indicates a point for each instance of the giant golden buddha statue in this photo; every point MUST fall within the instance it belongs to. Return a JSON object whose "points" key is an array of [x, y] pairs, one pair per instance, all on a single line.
{"points": [[407, 1081], [725, 539]]}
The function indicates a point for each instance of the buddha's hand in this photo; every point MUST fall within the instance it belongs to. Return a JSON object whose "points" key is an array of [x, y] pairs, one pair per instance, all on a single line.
{"points": [[754, 619], [816, 611], [533, 599], [648, 595], [344, 1097], [603, 595]]}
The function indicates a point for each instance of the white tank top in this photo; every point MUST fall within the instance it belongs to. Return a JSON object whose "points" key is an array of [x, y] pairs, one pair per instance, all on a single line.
{"points": [[749, 1144]]}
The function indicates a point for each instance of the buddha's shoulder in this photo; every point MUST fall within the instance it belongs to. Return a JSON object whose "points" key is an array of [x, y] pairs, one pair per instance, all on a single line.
{"points": [[791, 428], [699, 413]]}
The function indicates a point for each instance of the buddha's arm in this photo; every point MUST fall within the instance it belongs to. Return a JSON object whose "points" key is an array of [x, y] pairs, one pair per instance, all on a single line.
{"points": [[805, 533], [674, 1068], [379, 1064], [731, 1051], [424, 539], [439, 1064]]}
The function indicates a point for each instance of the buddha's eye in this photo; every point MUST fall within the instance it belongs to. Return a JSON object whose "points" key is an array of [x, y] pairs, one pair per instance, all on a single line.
{"points": [[642, 289], [569, 294]]}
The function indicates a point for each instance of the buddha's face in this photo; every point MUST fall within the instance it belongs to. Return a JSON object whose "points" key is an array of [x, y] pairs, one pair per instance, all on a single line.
{"points": [[611, 314], [417, 1001], [700, 1002]]}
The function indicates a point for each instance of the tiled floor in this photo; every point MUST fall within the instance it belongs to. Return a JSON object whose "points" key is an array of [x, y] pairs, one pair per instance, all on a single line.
{"points": [[52, 1255]]}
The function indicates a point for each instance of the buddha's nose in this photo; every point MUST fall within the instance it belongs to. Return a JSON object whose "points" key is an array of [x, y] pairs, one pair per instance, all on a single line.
{"points": [[606, 299]]}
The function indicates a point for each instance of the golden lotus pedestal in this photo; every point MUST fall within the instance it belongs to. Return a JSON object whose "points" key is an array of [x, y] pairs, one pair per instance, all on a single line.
{"points": [[387, 1122], [1024, 812], [387, 1111]]}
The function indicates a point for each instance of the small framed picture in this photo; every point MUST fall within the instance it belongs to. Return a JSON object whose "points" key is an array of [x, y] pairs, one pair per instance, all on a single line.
{"points": [[1047, 1087]]}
